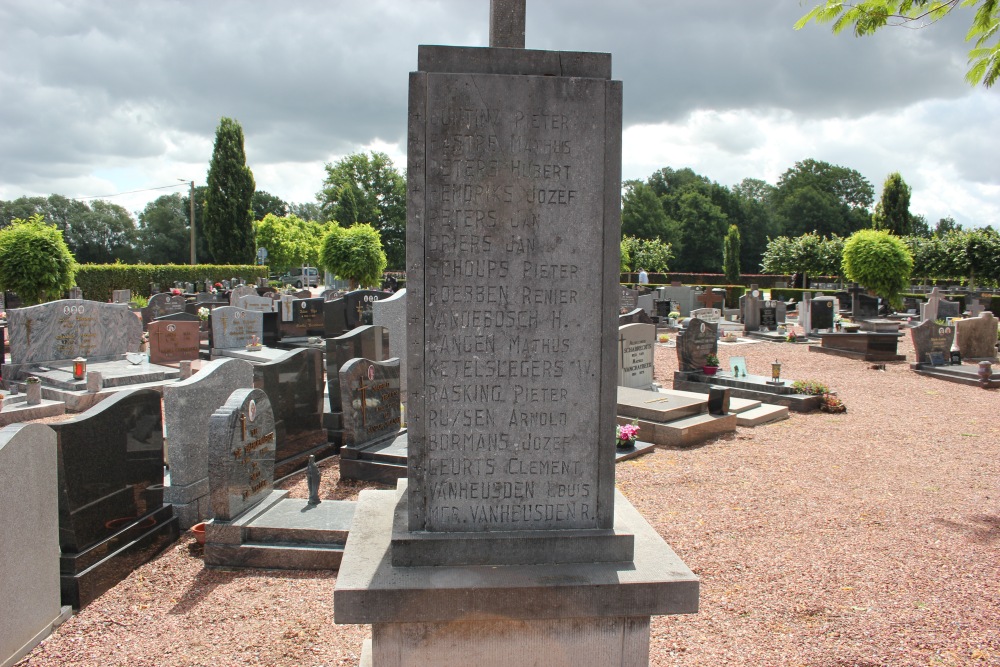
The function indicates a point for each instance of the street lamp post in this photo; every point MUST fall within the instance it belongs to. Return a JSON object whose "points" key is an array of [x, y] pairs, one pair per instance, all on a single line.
{"points": [[194, 259]]}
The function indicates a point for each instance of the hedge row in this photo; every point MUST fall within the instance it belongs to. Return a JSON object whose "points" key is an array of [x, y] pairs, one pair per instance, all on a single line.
{"points": [[98, 280], [715, 279]]}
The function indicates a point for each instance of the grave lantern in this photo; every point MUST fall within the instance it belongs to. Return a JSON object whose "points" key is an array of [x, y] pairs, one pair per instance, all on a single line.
{"points": [[79, 368], [776, 372]]}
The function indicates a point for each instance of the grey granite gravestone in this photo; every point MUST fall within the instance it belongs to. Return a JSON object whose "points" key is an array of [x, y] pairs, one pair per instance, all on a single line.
{"points": [[188, 406], [374, 444], [66, 329], [121, 296], [240, 291], [929, 309], [254, 524], [634, 316], [233, 328], [645, 301], [241, 453], [712, 315], [695, 342], [635, 355], [487, 483], [864, 306], [977, 337], [75, 293], [294, 383], [160, 305], [172, 342], [929, 336], [255, 302], [112, 517], [805, 312], [750, 305], [680, 295], [390, 314], [369, 342], [29, 540]]}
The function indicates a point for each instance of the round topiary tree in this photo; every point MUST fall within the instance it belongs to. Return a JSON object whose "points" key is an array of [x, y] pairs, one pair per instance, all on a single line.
{"points": [[879, 261], [35, 261], [354, 254]]}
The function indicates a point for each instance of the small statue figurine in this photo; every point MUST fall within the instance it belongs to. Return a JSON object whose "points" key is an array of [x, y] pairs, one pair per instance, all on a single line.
{"points": [[312, 479]]}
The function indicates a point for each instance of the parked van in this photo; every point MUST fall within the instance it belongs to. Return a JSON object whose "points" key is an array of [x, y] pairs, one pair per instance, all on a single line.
{"points": [[301, 277]]}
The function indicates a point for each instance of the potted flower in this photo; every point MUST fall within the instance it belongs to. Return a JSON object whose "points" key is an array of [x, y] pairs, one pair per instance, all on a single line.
{"points": [[625, 435], [253, 344], [663, 338], [711, 364], [672, 317]]}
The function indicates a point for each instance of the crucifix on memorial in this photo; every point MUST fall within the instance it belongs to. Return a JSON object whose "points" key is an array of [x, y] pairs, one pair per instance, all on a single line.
{"points": [[507, 20]]}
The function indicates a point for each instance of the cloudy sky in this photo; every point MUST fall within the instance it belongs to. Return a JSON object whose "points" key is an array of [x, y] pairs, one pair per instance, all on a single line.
{"points": [[98, 98]]}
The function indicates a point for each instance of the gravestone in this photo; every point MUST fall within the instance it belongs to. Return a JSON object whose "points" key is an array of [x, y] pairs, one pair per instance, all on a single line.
{"points": [[29, 540], [635, 355], [307, 319], [187, 409], [750, 305], [160, 305], [358, 307], [805, 312], [977, 337], [241, 454], [712, 315], [519, 469], [285, 304], [864, 306], [233, 328], [112, 517], [769, 315], [66, 329], [74, 293], [973, 306], [390, 314], [255, 302], [240, 291], [255, 525], [948, 309], [712, 299], [695, 342], [173, 342], [929, 309], [929, 336], [823, 311], [781, 312], [680, 295], [628, 299], [121, 296], [294, 383], [634, 316], [369, 392], [369, 342], [645, 301]]}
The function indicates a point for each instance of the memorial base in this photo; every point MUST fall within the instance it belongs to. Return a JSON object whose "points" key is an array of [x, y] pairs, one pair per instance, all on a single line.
{"points": [[574, 614], [86, 575]]}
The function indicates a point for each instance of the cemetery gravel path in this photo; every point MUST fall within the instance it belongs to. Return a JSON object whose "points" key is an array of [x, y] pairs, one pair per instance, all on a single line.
{"points": [[861, 539]]}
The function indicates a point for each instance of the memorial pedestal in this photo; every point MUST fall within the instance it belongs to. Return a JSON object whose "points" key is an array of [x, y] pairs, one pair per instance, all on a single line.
{"points": [[578, 614]]}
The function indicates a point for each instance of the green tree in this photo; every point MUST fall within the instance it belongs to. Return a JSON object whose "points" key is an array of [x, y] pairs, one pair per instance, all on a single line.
{"points": [[165, 230], [379, 191], [809, 254], [104, 235], [290, 240], [309, 211], [703, 225], [731, 255], [755, 221], [817, 196], [892, 212], [945, 225], [880, 261], [653, 255], [628, 248], [354, 254], [35, 261], [228, 224], [264, 202], [869, 16], [346, 211]]}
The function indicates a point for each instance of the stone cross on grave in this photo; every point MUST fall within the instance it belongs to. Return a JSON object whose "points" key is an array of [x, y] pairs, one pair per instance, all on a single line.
{"points": [[507, 19], [974, 307], [707, 299]]}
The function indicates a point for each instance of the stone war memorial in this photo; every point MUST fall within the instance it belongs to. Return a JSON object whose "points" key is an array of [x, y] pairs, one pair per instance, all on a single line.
{"points": [[508, 543]]}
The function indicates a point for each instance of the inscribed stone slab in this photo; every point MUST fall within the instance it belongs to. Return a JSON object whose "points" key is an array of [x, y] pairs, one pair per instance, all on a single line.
{"points": [[234, 327], [695, 342], [294, 383], [390, 314], [160, 305], [241, 456], [635, 360], [527, 195], [977, 336], [369, 342], [369, 392], [70, 328], [929, 336], [170, 342]]}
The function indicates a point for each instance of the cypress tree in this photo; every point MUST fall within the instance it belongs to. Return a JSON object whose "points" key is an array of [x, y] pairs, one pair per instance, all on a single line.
{"points": [[731, 255], [892, 213], [228, 219]]}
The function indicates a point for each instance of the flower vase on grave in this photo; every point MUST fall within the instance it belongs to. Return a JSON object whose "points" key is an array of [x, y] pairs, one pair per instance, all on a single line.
{"points": [[625, 435], [33, 390]]}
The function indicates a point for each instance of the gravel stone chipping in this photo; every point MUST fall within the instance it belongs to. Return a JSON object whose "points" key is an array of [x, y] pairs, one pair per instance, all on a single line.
{"points": [[859, 539]]}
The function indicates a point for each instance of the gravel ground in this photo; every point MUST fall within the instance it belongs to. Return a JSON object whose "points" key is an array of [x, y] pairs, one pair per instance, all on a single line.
{"points": [[866, 538]]}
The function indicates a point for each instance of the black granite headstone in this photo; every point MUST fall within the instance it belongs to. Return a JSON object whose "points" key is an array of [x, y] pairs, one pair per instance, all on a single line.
{"points": [[307, 319], [369, 392], [822, 313], [718, 400], [241, 453], [769, 315], [294, 383], [111, 512]]}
